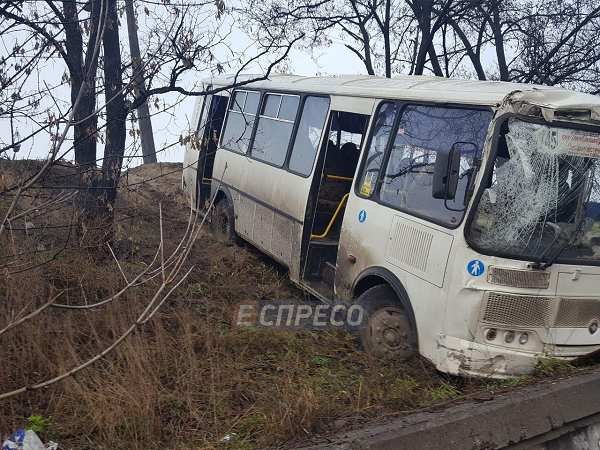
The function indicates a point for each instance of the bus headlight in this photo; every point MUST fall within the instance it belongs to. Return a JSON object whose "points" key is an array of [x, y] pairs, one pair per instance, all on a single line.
{"points": [[509, 336], [523, 339]]}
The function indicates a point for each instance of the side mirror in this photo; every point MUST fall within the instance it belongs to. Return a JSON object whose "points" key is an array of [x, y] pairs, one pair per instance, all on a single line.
{"points": [[445, 174]]}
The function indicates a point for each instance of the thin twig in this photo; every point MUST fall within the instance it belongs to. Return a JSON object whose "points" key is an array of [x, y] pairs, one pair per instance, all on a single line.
{"points": [[117, 261], [151, 309], [12, 325], [168, 294], [110, 299], [162, 242]]}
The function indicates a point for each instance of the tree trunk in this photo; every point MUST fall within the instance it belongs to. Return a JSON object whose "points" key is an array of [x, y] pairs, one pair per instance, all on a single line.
{"points": [[83, 72], [422, 10], [86, 121], [473, 56], [499, 44], [386, 40], [365, 39], [116, 111]]}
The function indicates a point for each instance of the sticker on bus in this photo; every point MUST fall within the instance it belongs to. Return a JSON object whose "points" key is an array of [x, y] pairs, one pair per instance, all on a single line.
{"points": [[476, 267], [365, 189]]}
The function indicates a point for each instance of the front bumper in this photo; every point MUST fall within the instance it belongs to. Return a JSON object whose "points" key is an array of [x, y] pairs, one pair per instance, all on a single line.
{"points": [[467, 358]]}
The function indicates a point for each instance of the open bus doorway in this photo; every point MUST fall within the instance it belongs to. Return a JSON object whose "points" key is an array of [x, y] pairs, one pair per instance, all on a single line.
{"points": [[346, 133], [209, 131]]}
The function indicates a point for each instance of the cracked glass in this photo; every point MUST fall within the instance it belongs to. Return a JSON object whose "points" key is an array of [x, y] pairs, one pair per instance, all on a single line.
{"points": [[542, 199]]}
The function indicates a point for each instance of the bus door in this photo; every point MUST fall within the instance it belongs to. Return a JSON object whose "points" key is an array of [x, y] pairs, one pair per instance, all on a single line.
{"points": [[209, 130], [346, 132]]}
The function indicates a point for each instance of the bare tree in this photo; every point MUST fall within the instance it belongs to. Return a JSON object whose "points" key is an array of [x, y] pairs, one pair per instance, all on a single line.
{"points": [[553, 43], [547, 42], [369, 29], [180, 42]]}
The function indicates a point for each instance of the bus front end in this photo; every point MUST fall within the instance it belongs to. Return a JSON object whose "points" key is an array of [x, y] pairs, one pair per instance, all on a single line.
{"points": [[526, 284]]}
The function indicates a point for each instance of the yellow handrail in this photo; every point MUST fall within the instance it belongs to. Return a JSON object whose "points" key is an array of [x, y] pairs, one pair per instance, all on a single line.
{"points": [[206, 179], [338, 177], [314, 236]]}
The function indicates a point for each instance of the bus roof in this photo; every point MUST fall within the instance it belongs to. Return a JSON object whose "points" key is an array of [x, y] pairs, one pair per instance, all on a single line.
{"points": [[412, 87]]}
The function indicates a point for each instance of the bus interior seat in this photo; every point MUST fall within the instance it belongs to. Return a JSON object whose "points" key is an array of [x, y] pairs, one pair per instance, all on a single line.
{"points": [[350, 155], [341, 161]]}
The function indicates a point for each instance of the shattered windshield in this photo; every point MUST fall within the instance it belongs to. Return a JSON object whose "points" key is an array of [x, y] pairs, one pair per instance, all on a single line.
{"points": [[542, 200]]}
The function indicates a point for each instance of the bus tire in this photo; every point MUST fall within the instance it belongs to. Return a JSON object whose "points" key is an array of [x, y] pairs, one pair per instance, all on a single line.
{"points": [[388, 331], [223, 222]]}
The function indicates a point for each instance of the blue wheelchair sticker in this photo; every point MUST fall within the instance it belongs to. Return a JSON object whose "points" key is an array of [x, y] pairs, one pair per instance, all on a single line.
{"points": [[362, 216], [476, 267]]}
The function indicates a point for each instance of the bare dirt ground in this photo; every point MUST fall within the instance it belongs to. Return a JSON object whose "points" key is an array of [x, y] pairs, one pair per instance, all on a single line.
{"points": [[187, 379]]}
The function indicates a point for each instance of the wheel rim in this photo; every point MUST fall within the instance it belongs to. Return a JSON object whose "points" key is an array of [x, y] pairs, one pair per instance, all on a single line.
{"points": [[388, 333]]}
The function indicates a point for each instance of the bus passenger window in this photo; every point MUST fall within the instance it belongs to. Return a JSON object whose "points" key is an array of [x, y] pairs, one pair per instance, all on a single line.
{"points": [[240, 121], [383, 123], [274, 130], [310, 129], [422, 133]]}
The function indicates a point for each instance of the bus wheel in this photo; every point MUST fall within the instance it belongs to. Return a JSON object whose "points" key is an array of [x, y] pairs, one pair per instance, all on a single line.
{"points": [[223, 222], [388, 331]]}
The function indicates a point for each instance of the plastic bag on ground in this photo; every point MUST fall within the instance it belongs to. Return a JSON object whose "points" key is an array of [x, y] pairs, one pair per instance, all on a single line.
{"points": [[27, 440]]}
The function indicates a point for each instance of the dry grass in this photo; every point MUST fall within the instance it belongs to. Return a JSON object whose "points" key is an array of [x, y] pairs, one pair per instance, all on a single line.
{"points": [[187, 378]]}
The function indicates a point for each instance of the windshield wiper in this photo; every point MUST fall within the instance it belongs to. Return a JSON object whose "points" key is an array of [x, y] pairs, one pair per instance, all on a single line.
{"points": [[541, 264], [580, 211]]}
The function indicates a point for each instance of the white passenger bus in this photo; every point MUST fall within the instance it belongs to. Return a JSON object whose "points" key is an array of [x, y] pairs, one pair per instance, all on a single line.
{"points": [[466, 212]]}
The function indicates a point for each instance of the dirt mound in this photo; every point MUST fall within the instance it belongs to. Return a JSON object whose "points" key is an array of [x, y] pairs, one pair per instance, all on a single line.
{"points": [[14, 173], [142, 188], [158, 177]]}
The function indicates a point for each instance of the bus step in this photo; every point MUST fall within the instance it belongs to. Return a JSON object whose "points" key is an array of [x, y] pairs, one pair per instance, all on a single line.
{"points": [[319, 254]]}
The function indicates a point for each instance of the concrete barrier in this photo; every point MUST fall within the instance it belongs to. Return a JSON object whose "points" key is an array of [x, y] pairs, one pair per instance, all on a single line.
{"points": [[559, 415]]}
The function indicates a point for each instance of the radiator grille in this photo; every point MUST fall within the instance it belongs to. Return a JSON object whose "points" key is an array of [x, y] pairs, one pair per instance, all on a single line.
{"points": [[577, 312], [518, 310], [518, 278]]}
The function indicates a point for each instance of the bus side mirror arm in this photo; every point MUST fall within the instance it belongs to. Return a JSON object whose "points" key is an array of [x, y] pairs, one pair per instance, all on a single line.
{"points": [[471, 188]]}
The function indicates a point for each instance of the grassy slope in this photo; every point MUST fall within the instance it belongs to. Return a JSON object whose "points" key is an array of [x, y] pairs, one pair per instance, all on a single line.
{"points": [[187, 378]]}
